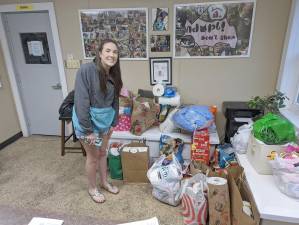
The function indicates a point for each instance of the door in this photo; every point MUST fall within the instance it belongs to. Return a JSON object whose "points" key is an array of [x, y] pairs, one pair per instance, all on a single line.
{"points": [[32, 50]]}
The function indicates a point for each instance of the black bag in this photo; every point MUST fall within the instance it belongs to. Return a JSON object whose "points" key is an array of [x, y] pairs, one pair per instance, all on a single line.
{"points": [[66, 108]]}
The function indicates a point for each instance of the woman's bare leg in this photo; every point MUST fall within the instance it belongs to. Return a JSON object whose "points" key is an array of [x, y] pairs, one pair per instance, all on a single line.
{"points": [[103, 160], [103, 166], [91, 164]]}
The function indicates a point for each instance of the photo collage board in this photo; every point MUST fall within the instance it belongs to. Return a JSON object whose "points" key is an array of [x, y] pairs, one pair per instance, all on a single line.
{"points": [[127, 26], [200, 30]]}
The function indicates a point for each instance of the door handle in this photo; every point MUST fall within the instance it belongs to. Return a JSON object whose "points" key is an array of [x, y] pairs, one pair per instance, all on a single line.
{"points": [[56, 86]]}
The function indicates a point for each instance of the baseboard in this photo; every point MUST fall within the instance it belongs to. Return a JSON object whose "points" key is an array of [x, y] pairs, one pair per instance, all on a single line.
{"points": [[11, 140]]}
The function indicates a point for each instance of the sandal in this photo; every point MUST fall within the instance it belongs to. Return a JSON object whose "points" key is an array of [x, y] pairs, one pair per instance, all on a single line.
{"points": [[110, 188], [97, 196]]}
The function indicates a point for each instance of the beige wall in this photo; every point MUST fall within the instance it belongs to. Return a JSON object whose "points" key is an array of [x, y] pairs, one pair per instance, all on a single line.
{"points": [[200, 81], [9, 123]]}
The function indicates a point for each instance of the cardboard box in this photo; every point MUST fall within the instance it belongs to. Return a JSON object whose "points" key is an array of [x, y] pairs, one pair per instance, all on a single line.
{"points": [[135, 162]]}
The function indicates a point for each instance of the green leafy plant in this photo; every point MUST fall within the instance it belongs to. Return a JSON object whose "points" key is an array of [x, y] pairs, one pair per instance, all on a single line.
{"points": [[271, 103]]}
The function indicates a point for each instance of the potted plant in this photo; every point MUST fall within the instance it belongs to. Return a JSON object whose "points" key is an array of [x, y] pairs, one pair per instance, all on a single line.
{"points": [[271, 127], [271, 103]]}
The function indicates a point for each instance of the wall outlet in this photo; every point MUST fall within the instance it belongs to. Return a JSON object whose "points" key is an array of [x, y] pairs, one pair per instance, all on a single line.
{"points": [[72, 63]]}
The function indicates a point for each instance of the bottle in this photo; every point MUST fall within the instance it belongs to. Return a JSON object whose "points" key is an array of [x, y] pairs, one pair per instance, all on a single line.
{"points": [[213, 110]]}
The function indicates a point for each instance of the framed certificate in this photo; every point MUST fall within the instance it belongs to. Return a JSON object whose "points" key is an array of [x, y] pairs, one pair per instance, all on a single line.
{"points": [[160, 70]]}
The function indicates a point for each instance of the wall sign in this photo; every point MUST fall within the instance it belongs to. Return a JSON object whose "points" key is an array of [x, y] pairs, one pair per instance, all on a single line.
{"points": [[213, 29], [35, 48]]}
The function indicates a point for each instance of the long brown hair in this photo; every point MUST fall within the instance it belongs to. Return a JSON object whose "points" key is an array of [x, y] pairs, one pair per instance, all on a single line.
{"points": [[114, 70]]}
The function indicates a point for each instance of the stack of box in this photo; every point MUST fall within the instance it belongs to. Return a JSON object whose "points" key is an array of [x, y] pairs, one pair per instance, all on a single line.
{"points": [[200, 148]]}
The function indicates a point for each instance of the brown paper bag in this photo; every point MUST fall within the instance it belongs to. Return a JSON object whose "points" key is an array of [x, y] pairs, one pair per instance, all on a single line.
{"points": [[238, 193], [135, 162]]}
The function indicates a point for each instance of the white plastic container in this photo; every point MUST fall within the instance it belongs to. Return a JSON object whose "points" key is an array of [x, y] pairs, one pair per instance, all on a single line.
{"points": [[257, 153]]}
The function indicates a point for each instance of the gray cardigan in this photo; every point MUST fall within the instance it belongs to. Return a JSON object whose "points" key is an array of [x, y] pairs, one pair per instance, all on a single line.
{"points": [[88, 94]]}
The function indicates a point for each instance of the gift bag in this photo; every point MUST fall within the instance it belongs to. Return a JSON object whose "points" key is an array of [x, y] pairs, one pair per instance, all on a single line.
{"points": [[114, 161], [124, 123], [125, 98], [125, 111], [144, 114]]}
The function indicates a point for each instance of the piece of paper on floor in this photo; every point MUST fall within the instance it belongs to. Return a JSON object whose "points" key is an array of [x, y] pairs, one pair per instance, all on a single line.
{"points": [[45, 221], [152, 221]]}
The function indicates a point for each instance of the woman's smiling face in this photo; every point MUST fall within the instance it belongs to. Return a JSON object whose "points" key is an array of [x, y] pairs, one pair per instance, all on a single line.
{"points": [[109, 55]]}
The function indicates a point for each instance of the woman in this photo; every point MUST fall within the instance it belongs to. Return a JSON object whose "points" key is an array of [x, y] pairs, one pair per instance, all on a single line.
{"points": [[95, 112]]}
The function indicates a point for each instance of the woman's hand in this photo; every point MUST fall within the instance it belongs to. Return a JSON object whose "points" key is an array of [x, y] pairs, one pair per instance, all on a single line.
{"points": [[91, 138]]}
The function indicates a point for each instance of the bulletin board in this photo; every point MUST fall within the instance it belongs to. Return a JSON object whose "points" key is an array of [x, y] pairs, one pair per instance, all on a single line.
{"points": [[128, 26]]}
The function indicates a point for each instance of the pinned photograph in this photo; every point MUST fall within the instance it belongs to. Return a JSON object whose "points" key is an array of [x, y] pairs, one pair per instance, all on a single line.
{"points": [[160, 19], [160, 43]]}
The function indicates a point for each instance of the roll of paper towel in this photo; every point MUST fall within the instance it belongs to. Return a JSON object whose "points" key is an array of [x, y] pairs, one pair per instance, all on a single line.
{"points": [[158, 90], [218, 197]]}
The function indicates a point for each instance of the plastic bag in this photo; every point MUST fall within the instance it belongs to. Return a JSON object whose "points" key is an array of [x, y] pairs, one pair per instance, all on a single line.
{"points": [[193, 117], [286, 175], [241, 138], [168, 126], [274, 130], [166, 176], [194, 200], [169, 196]]}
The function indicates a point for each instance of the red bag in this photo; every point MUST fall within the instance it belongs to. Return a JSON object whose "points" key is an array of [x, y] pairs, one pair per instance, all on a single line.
{"points": [[124, 123]]}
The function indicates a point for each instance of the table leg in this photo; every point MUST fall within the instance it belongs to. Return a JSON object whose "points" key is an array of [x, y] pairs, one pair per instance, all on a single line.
{"points": [[62, 137]]}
